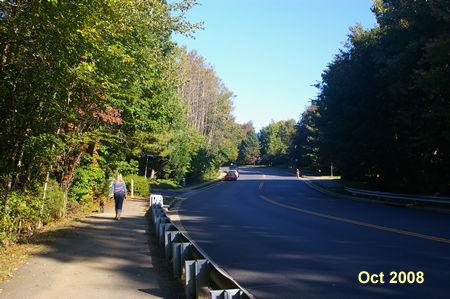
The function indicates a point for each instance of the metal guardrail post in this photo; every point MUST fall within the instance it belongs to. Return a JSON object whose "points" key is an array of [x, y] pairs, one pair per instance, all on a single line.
{"points": [[225, 294], [190, 279], [171, 236], [176, 259], [157, 213], [158, 223], [233, 294], [180, 252], [202, 278], [216, 294], [162, 230], [167, 243], [186, 251], [163, 220]]}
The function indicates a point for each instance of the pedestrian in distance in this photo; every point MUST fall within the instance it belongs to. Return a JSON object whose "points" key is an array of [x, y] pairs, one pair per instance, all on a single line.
{"points": [[119, 191], [298, 173]]}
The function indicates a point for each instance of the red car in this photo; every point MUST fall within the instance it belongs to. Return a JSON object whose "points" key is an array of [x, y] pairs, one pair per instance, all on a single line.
{"points": [[231, 175], [234, 167]]}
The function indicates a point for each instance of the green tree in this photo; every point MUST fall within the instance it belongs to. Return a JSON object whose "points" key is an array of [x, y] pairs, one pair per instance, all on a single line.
{"points": [[382, 113], [306, 151], [249, 150], [208, 106], [277, 142], [85, 85]]}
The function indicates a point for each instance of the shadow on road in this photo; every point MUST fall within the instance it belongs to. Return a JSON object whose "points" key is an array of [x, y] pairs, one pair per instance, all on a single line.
{"points": [[100, 257]]}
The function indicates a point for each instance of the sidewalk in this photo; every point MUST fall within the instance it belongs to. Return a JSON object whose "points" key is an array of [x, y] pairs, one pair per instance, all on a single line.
{"points": [[100, 258]]}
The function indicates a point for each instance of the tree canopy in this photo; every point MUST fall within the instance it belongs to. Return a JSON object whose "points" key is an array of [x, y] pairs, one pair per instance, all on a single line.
{"points": [[92, 88], [249, 150], [277, 142], [383, 105]]}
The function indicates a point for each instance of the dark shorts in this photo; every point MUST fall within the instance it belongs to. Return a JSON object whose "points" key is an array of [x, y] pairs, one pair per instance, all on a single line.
{"points": [[118, 198]]}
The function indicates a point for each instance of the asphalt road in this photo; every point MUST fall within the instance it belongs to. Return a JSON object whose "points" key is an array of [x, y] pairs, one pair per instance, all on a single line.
{"points": [[280, 238]]}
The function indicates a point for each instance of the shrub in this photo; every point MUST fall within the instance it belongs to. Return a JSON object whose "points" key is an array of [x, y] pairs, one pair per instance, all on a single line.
{"points": [[54, 201], [126, 168], [141, 184], [20, 214], [164, 184], [89, 183]]}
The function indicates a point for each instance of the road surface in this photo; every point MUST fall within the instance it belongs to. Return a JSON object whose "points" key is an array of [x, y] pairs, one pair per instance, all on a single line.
{"points": [[280, 238]]}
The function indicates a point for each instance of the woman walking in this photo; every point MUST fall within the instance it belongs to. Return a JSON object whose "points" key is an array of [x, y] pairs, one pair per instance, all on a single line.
{"points": [[119, 191]]}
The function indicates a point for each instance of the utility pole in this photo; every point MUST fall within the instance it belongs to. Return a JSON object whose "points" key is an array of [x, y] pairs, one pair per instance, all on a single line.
{"points": [[146, 166]]}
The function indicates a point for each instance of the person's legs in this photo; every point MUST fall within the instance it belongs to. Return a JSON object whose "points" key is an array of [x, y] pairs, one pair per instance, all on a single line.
{"points": [[115, 204], [118, 198]]}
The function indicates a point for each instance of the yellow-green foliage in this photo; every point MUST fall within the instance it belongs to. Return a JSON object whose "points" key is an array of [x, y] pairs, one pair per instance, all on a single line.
{"points": [[141, 185], [24, 212]]}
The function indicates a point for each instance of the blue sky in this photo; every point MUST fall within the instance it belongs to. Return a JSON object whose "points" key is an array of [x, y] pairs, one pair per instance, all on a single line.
{"points": [[269, 53]]}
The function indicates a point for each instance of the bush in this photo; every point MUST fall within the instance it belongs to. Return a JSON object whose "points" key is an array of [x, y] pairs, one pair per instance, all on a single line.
{"points": [[24, 212], [89, 183], [164, 184], [141, 184], [127, 168], [54, 201], [20, 214]]}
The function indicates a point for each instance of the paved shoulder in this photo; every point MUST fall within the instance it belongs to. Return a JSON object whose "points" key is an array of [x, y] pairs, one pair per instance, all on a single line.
{"points": [[102, 258]]}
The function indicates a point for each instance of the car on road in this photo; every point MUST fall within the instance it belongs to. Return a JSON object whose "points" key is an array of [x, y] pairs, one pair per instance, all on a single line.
{"points": [[234, 167], [231, 175]]}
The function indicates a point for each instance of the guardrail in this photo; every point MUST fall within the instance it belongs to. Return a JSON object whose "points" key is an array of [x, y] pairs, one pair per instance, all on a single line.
{"points": [[202, 277], [420, 198]]}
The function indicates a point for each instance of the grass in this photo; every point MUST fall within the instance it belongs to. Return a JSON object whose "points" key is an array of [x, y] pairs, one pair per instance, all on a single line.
{"points": [[339, 190], [355, 184], [206, 185], [164, 184], [204, 179], [334, 177], [167, 200]]}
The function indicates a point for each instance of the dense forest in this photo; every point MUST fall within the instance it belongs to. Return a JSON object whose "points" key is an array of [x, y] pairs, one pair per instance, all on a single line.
{"points": [[383, 111], [92, 88]]}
